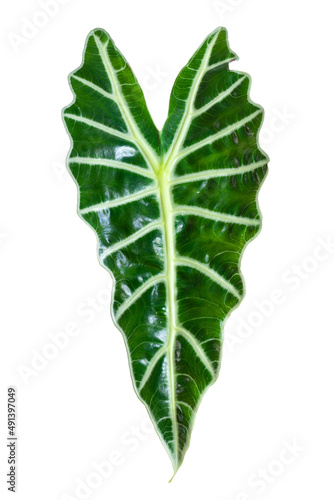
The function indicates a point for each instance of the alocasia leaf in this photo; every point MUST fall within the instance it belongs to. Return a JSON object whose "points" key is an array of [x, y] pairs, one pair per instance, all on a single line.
{"points": [[172, 211]]}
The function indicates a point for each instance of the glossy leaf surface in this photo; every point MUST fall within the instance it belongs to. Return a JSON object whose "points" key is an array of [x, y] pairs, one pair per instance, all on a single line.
{"points": [[172, 212]]}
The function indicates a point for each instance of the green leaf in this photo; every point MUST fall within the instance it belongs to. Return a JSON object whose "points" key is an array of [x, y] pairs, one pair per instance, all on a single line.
{"points": [[172, 212]]}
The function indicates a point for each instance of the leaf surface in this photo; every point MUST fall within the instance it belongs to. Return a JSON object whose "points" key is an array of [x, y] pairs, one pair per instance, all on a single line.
{"points": [[172, 212]]}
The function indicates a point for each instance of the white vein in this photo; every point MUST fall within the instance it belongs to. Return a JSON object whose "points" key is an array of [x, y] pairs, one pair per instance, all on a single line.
{"points": [[220, 63], [118, 201], [216, 216], [99, 126], [169, 250], [218, 135], [190, 377], [139, 292], [104, 162], [205, 269], [163, 418], [198, 349], [182, 130], [92, 85], [210, 340], [136, 133], [131, 239], [183, 403], [151, 365], [220, 172], [220, 97]]}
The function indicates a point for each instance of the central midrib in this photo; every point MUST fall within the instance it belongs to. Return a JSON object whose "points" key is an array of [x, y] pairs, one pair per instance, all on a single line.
{"points": [[163, 172], [164, 184], [167, 215]]}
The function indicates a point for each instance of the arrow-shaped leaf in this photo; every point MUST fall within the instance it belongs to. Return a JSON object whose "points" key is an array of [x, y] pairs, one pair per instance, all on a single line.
{"points": [[172, 211]]}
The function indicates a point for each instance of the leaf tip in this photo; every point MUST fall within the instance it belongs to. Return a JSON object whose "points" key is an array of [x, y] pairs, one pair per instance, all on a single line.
{"points": [[101, 34], [176, 467]]}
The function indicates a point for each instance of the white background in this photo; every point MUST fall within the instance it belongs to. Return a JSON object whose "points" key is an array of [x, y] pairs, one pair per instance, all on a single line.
{"points": [[276, 383]]}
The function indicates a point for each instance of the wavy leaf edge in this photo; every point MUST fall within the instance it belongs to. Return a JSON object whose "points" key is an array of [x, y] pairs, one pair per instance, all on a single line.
{"points": [[161, 187]]}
